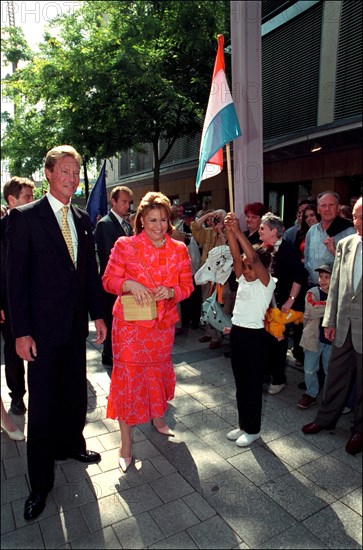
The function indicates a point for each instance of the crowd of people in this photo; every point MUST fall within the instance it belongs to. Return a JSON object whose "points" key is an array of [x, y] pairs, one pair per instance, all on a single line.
{"points": [[138, 278]]}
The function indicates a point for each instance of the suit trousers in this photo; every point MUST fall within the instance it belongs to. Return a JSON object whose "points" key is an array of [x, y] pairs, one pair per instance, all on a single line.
{"points": [[248, 347], [14, 365], [345, 367], [276, 359], [57, 409]]}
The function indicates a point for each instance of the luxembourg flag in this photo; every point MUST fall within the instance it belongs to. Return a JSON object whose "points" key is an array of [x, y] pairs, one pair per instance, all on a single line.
{"points": [[220, 124]]}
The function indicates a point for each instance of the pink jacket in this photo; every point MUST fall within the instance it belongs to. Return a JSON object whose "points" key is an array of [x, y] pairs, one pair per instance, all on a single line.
{"points": [[135, 258]]}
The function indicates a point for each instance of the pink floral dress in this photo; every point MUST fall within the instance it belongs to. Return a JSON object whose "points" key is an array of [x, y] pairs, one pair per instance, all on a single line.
{"points": [[143, 377]]}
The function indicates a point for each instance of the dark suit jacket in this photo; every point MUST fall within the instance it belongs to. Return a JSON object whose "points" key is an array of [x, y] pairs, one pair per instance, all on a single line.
{"points": [[3, 226], [47, 295], [107, 231], [289, 269]]}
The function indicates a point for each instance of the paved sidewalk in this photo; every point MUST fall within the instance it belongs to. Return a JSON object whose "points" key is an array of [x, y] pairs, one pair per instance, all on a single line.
{"points": [[197, 490]]}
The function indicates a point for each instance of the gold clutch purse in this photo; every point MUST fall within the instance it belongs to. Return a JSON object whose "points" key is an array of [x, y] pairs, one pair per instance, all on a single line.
{"points": [[135, 312]]}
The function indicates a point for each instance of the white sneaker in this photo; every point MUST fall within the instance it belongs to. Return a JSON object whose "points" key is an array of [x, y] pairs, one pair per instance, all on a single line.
{"points": [[346, 410], [235, 434], [246, 439], [275, 388]]}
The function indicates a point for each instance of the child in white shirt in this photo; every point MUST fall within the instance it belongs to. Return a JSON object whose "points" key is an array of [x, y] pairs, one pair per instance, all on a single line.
{"points": [[248, 335]]}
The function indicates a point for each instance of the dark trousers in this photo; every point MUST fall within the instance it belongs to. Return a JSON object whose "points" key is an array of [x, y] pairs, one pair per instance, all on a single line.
{"points": [[191, 308], [276, 358], [57, 408], [248, 348], [345, 367], [14, 365], [108, 303]]}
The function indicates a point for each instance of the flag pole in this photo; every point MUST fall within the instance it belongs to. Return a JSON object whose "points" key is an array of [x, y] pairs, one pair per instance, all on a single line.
{"points": [[229, 174]]}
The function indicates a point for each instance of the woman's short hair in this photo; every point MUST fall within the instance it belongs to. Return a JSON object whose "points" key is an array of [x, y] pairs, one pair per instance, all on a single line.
{"points": [[59, 152], [152, 200], [256, 208], [273, 222], [264, 253]]}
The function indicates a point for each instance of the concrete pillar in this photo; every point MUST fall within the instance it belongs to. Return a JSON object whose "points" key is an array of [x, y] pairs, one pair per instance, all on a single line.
{"points": [[246, 89]]}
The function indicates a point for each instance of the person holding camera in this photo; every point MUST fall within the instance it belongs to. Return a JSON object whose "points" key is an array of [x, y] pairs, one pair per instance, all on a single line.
{"points": [[208, 238]]}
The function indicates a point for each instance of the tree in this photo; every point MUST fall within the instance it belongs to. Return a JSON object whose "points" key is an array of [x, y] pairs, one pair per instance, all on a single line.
{"points": [[119, 74]]}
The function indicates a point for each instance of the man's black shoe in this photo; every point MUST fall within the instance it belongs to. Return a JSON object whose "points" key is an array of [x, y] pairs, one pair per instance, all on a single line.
{"points": [[34, 505], [86, 456], [17, 406]]}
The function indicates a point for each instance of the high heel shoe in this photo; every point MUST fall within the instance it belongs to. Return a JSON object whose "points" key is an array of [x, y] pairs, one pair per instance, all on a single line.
{"points": [[17, 435], [124, 463], [164, 430]]}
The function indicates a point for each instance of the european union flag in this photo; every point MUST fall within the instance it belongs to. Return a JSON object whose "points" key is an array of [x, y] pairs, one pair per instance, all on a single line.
{"points": [[97, 201]]}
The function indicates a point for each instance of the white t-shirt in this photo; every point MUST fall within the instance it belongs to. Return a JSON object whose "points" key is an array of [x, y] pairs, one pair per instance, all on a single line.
{"points": [[252, 301]]}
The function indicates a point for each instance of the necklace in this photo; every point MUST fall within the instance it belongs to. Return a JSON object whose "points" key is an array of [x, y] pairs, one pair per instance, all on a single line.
{"points": [[158, 244]]}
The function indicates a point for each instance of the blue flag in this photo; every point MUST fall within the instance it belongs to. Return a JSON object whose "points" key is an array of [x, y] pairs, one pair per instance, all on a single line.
{"points": [[97, 200]]}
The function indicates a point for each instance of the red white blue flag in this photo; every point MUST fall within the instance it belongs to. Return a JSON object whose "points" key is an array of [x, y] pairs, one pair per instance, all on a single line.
{"points": [[220, 124]]}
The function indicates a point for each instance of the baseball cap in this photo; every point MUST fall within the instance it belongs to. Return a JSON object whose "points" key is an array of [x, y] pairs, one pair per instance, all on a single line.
{"points": [[189, 212], [328, 268]]}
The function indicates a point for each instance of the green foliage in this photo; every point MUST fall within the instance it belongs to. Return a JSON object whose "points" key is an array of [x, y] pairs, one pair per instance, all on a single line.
{"points": [[116, 74]]}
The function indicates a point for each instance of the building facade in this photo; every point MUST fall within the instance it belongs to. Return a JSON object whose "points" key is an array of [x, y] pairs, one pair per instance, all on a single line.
{"points": [[312, 114]]}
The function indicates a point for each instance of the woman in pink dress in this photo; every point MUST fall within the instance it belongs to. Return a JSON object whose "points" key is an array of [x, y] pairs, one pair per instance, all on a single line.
{"points": [[149, 266]]}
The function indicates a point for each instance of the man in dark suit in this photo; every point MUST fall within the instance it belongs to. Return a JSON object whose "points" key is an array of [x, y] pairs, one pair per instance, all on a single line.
{"points": [[108, 230], [17, 191], [53, 285]]}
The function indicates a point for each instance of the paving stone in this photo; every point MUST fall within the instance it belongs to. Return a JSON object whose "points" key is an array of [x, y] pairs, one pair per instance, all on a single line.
{"points": [[297, 495], [163, 465], [199, 506], [74, 494], [139, 531], [297, 537], [293, 451], [213, 533], [353, 461], [63, 528], [242, 505], [259, 465], [14, 489], [7, 519], [105, 538], [103, 512], [204, 422], [142, 472], [171, 487], [26, 537], [290, 480], [139, 499], [337, 526], [354, 500], [180, 540], [341, 483], [15, 466], [173, 517]]}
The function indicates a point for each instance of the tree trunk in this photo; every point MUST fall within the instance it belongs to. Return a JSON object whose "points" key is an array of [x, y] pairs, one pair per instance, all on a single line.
{"points": [[156, 170], [86, 183]]}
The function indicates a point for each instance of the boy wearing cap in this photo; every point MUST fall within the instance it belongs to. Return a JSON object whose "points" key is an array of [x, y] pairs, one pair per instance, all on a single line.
{"points": [[313, 339]]}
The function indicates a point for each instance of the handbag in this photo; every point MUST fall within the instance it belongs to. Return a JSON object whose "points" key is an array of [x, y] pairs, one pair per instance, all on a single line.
{"points": [[135, 312], [212, 313]]}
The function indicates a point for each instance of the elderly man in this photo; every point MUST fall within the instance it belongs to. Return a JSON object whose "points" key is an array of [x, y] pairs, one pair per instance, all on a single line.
{"points": [[343, 326], [322, 238]]}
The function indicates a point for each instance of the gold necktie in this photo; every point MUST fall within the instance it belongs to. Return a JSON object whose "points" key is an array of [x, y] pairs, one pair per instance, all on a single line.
{"points": [[67, 232]]}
